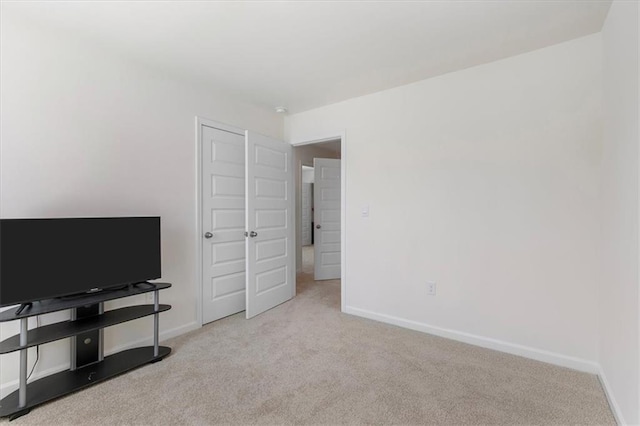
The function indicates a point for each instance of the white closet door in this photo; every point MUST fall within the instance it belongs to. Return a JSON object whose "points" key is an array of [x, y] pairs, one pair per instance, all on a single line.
{"points": [[223, 223], [270, 256]]}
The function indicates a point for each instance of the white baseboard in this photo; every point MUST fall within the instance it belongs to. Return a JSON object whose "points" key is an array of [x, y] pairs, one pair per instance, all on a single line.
{"points": [[7, 388], [485, 342], [615, 408]]}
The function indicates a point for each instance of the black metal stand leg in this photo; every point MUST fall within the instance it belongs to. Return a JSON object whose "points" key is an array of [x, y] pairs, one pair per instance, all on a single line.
{"points": [[22, 395], [156, 323]]}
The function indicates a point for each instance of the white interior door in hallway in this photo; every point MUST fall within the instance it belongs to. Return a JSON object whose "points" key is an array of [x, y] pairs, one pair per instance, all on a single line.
{"points": [[223, 223], [270, 223], [326, 205]]}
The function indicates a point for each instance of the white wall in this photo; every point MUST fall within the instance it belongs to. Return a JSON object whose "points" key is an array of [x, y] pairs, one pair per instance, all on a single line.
{"points": [[618, 296], [85, 133], [485, 180]]}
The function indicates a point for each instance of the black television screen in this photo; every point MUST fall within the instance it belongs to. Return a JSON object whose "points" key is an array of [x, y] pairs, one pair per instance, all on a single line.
{"points": [[48, 258]]}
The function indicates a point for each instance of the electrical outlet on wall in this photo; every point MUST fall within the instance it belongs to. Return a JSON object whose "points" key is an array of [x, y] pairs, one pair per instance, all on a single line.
{"points": [[148, 297], [431, 288]]}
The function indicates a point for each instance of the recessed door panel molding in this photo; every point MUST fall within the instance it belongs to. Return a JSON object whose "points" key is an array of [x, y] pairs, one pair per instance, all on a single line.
{"points": [[330, 215], [228, 285], [223, 223], [329, 194], [332, 247], [266, 250], [270, 265], [327, 226], [227, 152], [228, 252], [329, 237], [271, 188], [331, 258], [227, 187], [330, 173], [271, 158], [271, 279], [227, 220], [271, 219]]}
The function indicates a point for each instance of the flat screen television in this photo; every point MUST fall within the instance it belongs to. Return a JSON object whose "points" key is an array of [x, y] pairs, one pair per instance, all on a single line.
{"points": [[49, 258]]}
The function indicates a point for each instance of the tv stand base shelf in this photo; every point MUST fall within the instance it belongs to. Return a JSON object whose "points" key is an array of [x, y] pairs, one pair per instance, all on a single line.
{"points": [[88, 365], [65, 382]]}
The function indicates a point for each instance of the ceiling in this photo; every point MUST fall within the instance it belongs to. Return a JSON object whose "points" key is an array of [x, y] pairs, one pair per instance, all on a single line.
{"points": [[303, 55]]}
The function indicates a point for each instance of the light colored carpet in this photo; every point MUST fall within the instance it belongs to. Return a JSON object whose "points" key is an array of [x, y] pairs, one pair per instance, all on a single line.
{"points": [[304, 362]]}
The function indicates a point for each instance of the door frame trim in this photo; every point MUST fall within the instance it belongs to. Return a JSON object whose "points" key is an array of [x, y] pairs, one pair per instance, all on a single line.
{"points": [[331, 136], [199, 122]]}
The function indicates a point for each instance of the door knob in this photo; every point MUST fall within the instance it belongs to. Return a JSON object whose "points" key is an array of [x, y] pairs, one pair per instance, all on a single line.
{"points": [[253, 234], [208, 235], [318, 226]]}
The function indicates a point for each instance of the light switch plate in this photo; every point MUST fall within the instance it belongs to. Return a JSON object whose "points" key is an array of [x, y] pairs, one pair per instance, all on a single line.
{"points": [[431, 288]]}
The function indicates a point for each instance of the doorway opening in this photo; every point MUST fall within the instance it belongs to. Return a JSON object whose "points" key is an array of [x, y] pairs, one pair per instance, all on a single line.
{"points": [[319, 215]]}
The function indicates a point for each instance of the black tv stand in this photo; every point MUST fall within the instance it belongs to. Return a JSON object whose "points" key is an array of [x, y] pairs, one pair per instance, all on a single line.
{"points": [[88, 365], [22, 307]]}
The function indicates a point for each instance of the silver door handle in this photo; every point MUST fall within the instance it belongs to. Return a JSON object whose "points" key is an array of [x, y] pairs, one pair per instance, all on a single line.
{"points": [[318, 226], [253, 234], [208, 235]]}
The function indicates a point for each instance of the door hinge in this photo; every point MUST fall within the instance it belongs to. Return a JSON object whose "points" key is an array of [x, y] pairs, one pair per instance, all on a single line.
{"points": [[246, 234]]}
